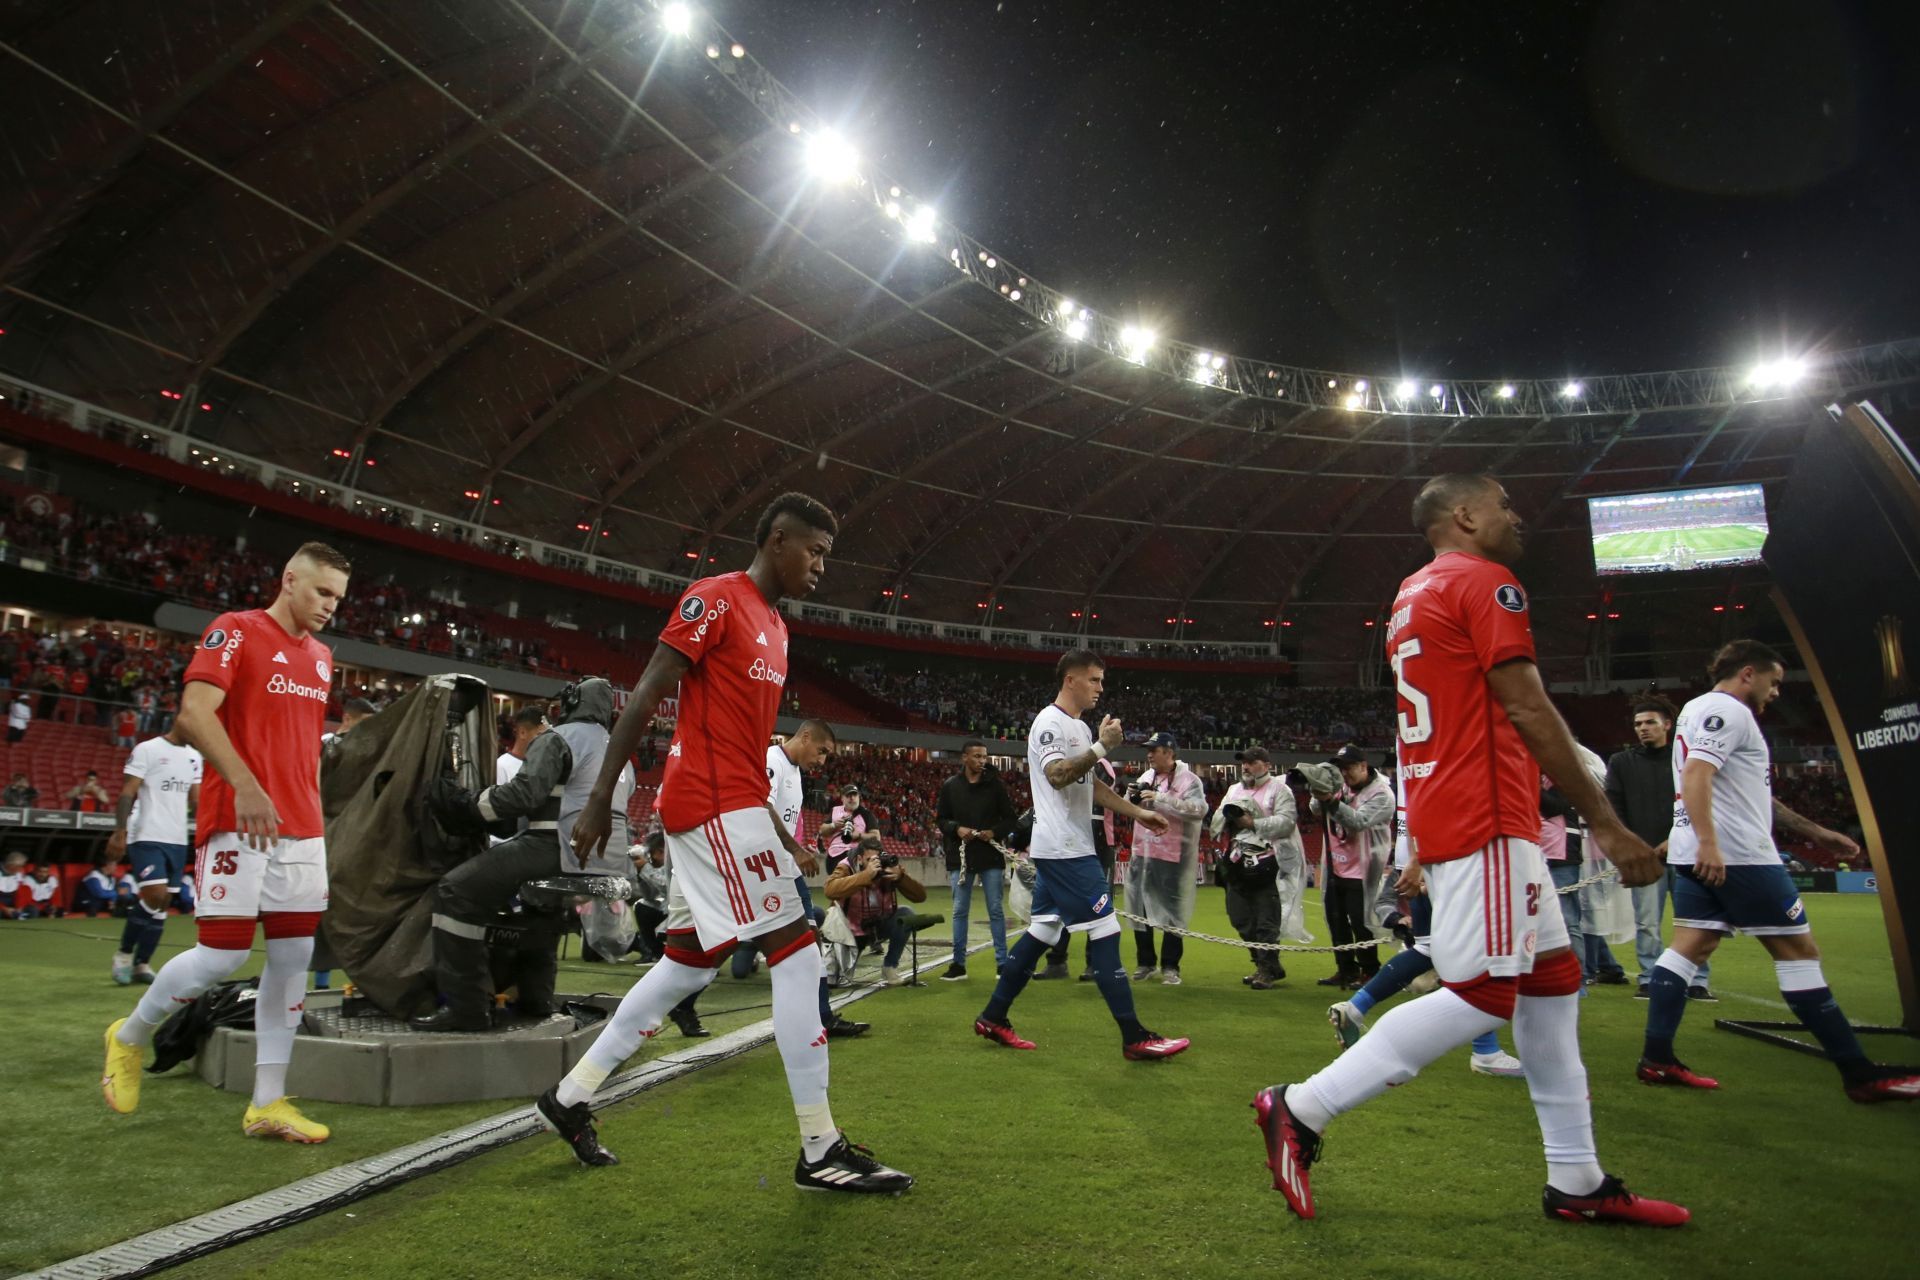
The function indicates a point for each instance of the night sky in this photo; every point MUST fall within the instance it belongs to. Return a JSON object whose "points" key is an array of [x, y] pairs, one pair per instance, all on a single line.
{"points": [[1481, 190]]}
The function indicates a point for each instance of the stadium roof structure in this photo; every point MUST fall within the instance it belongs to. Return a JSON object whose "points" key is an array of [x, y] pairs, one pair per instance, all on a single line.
{"points": [[558, 268]]}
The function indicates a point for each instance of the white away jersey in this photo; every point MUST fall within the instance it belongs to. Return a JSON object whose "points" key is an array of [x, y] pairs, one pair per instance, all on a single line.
{"points": [[1063, 819], [166, 774], [1720, 728], [785, 789]]}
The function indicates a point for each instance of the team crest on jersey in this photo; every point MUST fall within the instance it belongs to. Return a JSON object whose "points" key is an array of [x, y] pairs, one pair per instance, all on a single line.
{"points": [[1510, 598], [771, 902], [322, 669], [692, 608], [215, 638], [1713, 724]]}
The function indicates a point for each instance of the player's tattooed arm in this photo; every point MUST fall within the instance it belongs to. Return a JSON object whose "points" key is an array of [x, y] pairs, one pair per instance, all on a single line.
{"points": [[1064, 773], [1516, 685], [123, 813], [1785, 819]]}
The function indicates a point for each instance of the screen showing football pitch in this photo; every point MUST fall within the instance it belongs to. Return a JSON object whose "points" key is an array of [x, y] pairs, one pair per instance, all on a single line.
{"points": [[1678, 530]]}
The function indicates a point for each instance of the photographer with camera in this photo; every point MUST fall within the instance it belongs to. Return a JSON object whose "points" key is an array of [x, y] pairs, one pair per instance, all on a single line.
{"points": [[850, 821], [1161, 872], [868, 888], [1261, 820], [1356, 805]]}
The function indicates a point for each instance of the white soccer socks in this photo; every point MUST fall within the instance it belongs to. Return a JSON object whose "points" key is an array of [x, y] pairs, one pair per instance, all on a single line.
{"points": [[1546, 1035], [640, 1014], [179, 980], [803, 1045], [1404, 1039], [276, 1015]]}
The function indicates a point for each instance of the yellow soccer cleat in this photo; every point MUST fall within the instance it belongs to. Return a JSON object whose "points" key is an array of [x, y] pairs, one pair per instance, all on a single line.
{"points": [[280, 1119], [120, 1081]]}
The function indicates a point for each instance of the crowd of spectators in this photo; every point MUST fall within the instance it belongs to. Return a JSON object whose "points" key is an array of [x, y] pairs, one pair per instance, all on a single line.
{"points": [[127, 681], [131, 549], [1209, 712]]}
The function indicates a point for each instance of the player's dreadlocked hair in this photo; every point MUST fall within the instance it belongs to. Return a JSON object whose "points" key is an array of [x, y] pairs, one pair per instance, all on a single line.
{"points": [[1735, 654], [811, 511]]}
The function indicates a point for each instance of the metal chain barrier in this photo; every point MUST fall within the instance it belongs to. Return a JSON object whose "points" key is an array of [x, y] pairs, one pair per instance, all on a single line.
{"points": [[1014, 858]]}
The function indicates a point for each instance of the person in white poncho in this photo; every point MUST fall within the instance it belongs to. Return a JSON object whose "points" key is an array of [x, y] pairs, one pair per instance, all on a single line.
{"points": [[1263, 867]]}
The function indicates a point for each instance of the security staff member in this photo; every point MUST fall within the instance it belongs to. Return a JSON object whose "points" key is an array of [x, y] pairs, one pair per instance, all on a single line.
{"points": [[549, 792]]}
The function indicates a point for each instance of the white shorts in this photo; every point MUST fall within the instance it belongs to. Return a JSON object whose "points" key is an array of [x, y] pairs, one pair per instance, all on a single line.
{"points": [[231, 878], [1493, 912], [732, 878]]}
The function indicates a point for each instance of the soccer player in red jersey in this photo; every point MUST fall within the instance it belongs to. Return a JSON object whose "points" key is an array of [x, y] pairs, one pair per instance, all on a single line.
{"points": [[725, 646], [1474, 718], [255, 704]]}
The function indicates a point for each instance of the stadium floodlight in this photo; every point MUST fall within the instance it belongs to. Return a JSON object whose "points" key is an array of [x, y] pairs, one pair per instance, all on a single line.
{"points": [[1136, 342], [677, 19], [893, 209], [1437, 391], [1783, 372], [1361, 385], [921, 223], [1354, 400], [1203, 360], [1405, 390], [831, 157], [1219, 363], [1077, 329], [1572, 390], [1506, 391], [1065, 310]]}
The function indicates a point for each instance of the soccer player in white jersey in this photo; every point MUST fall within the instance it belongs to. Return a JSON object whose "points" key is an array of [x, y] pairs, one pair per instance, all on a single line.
{"points": [[808, 748], [1731, 879], [160, 783], [1072, 893]]}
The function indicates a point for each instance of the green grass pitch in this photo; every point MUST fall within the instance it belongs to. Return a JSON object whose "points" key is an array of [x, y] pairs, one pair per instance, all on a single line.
{"points": [[1663, 546], [1069, 1161]]}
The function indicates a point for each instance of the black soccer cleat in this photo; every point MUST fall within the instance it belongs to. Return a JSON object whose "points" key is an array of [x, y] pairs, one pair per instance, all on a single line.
{"points": [[848, 1166], [574, 1124]]}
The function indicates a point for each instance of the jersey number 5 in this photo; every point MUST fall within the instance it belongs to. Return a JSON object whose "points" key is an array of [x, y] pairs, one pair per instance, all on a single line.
{"points": [[1419, 726]]}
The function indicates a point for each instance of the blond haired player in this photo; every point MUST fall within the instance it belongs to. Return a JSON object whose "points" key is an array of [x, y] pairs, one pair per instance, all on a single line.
{"points": [[254, 705]]}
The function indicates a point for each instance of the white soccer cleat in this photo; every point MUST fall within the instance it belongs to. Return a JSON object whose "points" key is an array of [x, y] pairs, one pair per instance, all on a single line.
{"points": [[122, 968], [1497, 1064]]}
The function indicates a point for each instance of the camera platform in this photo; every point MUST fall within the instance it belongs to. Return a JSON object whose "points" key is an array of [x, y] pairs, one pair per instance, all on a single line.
{"points": [[374, 1059]]}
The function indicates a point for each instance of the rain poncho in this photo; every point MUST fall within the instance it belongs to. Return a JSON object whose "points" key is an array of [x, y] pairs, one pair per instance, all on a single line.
{"points": [[1163, 871]]}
